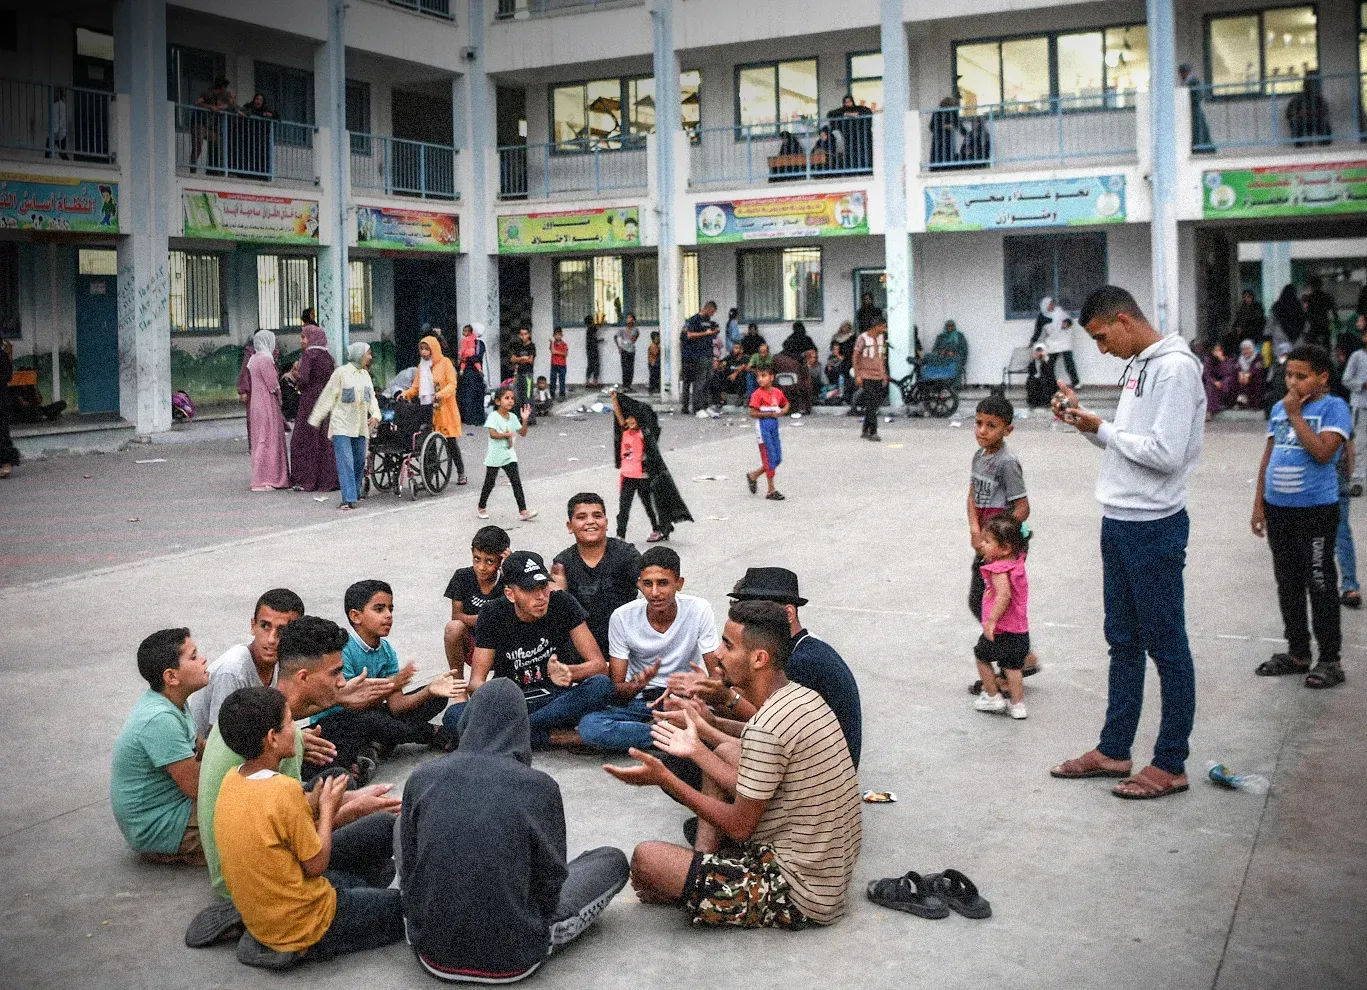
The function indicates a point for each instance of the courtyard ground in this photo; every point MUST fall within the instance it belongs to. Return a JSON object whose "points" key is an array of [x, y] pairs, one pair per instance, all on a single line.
{"points": [[1208, 889]]}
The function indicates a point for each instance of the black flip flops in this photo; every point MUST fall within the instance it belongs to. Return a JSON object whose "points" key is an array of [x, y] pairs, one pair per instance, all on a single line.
{"points": [[910, 893], [960, 894]]}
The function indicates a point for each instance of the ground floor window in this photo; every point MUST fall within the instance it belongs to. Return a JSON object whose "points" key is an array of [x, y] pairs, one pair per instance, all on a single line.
{"points": [[690, 289], [10, 325], [286, 285], [606, 287], [1067, 267], [360, 290], [778, 284], [197, 300]]}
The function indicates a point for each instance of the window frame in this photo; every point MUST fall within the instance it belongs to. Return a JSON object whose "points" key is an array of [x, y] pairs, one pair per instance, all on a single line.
{"points": [[745, 317], [626, 139], [629, 303], [360, 141], [1261, 91], [851, 79], [743, 132], [287, 313], [223, 326], [285, 72], [366, 287], [1055, 238]]}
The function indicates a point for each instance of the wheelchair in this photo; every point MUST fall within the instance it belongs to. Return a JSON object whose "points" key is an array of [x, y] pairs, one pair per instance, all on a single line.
{"points": [[928, 390], [406, 453]]}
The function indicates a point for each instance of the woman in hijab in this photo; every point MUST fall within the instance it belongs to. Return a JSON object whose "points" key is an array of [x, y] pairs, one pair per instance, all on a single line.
{"points": [[1054, 329], [798, 343], [311, 458], [435, 386], [470, 395], [1221, 378], [265, 421], [1248, 392], [1287, 321], [349, 399]]}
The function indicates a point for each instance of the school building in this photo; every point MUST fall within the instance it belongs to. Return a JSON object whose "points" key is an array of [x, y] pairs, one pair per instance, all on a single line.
{"points": [[508, 163]]}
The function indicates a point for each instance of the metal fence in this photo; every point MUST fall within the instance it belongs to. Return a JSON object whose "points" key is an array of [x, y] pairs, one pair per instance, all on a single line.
{"points": [[1300, 112], [224, 142], [396, 166], [509, 9], [61, 122], [437, 8], [793, 151], [1057, 130], [533, 171]]}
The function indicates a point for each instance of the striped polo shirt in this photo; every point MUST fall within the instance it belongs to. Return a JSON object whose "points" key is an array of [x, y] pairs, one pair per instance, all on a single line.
{"points": [[793, 757]]}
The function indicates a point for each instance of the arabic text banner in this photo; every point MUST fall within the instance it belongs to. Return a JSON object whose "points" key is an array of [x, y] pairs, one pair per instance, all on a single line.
{"points": [[35, 202], [818, 215], [1011, 205], [406, 230], [577, 230], [240, 217], [1285, 191]]}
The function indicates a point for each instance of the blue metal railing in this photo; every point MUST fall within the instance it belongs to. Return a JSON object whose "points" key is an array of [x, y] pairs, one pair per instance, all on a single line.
{"points": [[1052, 130], [63, 122], [1278, 112], [590, 166], [226, 142], [399, 167], [791, 151]]}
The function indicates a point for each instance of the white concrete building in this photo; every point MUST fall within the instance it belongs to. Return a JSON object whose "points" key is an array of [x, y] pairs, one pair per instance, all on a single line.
{"points": [[533, 162]]}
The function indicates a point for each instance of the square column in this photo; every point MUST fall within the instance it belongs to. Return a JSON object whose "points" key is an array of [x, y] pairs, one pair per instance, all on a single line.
{"points": [[329, 72], [668, 130], [473, 107], [1163, 172], [897, 259]]}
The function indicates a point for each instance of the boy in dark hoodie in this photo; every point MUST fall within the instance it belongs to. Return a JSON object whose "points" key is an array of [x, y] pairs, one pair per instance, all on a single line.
{"points": [[487, 893]]}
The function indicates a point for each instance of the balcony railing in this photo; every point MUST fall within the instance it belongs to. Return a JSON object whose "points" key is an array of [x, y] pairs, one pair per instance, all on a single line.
{"points": [[1278, 113], [61, 122], [1057, 130], [399, 167], [222, 142], [789, 152], [437, 8], [511, 9], [533, 171]]}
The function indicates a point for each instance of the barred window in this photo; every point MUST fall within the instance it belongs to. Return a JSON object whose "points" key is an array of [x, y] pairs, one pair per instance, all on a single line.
{"points": [[197, 293], [608, 287], [286, 285], [1067, 267], [361, 293], [779, 284]]}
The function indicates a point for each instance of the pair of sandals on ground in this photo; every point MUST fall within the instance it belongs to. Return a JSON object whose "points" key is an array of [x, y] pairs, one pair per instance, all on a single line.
{"points": [[1321, 675], [932, 896]]}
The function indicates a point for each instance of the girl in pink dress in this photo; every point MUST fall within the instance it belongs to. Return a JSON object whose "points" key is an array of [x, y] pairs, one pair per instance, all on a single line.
{"points": [[265, 421]]}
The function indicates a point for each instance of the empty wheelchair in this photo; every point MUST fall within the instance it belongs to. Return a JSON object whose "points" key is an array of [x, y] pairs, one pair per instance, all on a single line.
{"points": [[406, 453]]}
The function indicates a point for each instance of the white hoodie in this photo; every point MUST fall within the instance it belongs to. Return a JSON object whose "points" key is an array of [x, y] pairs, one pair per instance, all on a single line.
{"points": [[1155, 441]]}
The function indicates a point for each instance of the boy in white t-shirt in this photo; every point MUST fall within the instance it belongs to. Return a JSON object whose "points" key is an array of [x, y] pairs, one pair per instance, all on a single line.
{"points": [[664, 632]]}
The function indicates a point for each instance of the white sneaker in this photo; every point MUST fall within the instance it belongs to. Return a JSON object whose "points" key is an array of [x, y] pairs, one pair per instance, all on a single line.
{"points": [[526, 515], [482, 513], [1018, 711], [989, 702]]}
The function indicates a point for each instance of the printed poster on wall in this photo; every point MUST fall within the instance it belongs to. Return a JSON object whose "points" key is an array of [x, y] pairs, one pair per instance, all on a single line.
{"points": [[1284, 191], [1038, 203], [406, 230], [818, 215], [37, 202], [242, 217], [576, 230]]}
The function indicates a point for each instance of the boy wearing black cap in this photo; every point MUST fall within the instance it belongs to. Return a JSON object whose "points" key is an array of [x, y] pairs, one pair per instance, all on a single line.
{"points": [[520, 636]]}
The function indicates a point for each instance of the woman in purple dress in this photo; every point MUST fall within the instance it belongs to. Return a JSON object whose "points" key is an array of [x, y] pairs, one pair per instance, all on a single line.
{"points": [[312, 464], [1221, 378], [265, 421]]}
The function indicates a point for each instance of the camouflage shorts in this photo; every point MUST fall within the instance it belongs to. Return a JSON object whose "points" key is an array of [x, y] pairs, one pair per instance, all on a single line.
{"points": [[741, 886]]}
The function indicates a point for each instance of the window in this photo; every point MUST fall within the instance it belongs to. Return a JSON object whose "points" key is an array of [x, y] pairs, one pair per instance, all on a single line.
{"points": [[358, 116], [776, 93], [286, 285], [591, 115], [197, 300], [10, 324], [289, 92], [1066, 266], [779, 284], [360, 292], [94, 44], [9, 31], [690, 289], [1093, 68], [190, 72], [1265, 51], [866, 79], [608, 287]]}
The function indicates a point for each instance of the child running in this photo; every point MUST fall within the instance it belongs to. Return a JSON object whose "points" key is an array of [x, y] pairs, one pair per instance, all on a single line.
{"points": [[633, 480], [1005, 640], [767, 404], [1297, 508], [503, 426]]}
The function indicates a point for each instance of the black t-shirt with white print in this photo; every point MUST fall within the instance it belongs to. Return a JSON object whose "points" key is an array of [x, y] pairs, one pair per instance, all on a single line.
{"points": [[464, 588], [523, 650]]}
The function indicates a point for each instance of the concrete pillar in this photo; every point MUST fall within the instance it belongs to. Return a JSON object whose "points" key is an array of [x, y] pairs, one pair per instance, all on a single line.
{"points": [[473, 107], [1163, 143], [897, 237], [334, 166], [1276, 270], [668, 128], [145, 191]]}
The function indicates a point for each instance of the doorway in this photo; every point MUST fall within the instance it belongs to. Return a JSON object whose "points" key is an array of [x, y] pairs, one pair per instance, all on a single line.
{"points": [[97, 331], [874, 281], [514, 305], [424, 297]]}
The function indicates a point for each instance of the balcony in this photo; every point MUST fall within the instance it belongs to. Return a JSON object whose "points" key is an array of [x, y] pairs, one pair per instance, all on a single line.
{"points": [[227, 143], [1055, 131], [398, 167], [62, 122], [435, 8], [589, 168], [1246, 118], [509, 10], [794, 151]]}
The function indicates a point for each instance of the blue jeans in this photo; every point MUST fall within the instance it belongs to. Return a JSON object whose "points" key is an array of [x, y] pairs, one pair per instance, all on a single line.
{"points": [[1344, 548], [350, 454], [558, 380], [617, 729], [1142, 566], [561, 709]]}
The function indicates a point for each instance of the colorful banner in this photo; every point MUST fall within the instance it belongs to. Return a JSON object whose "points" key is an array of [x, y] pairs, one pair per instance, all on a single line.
{"points": [[242, 217], [406, 230], [1038, 203], [37, 202], [1285, 191], [832, 214], [577, 230]]}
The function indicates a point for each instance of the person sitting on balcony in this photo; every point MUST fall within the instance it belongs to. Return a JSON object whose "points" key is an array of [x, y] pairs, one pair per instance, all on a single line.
{"points": [[827, 150], [855, 124], [790, 160], [945, 132], [1307, 114], [1200, 130]]}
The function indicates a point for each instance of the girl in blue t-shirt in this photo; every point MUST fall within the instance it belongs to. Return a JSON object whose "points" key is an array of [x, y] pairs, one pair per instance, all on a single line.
{"points": [[1297, 509]]}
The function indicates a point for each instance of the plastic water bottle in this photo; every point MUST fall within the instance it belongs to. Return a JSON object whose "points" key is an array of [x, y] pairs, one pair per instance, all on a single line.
{"points": [[1251, 782]]}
